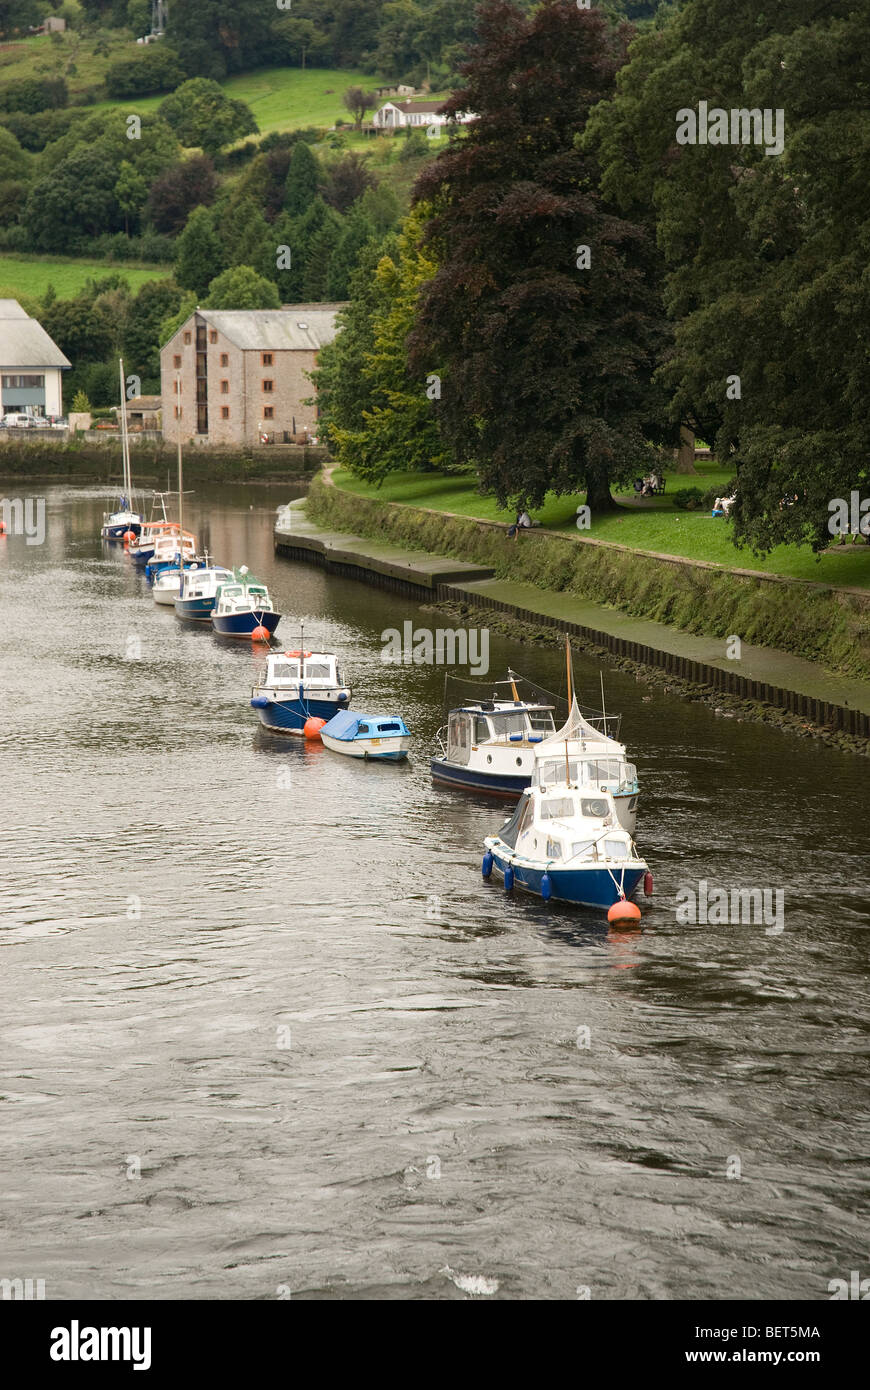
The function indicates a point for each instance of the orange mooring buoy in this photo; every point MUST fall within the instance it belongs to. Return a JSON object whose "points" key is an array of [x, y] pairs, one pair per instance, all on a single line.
{"points": [[623, 911], [311, 728], [260, 634]]}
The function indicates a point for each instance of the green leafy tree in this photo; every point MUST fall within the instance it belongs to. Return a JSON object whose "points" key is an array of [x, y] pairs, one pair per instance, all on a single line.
{"points": [[155, 301], [380, 206], [171, 324], [303, 179], [241, 287], [765, 253], [201, 114], [399, 429], [317, 262], [130, 191], [358, 101], [547, 349], [355, 234], [199, 256], [81, 405], [14, 161]]}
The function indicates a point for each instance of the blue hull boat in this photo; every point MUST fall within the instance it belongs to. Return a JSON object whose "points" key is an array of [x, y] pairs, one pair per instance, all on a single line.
{"points": [[289, 716], [373, 737], [453, 775], [117, 533], [585, 887], [243, 624]]}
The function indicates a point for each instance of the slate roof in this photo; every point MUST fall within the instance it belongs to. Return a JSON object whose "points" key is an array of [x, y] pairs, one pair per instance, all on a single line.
{"points": [[24, 342], [295, 328]]}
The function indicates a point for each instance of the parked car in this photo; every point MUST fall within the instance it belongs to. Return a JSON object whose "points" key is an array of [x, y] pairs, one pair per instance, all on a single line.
{"points": [[17, 420]]}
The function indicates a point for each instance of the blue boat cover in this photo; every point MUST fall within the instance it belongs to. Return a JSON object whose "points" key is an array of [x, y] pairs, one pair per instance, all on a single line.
{"points": [[342, 726], [345, 726]]}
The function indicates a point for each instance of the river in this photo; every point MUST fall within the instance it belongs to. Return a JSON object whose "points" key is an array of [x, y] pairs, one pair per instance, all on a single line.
{"points": [[266, 1032]]}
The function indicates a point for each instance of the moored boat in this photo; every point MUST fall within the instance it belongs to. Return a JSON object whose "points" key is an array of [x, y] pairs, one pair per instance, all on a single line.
{"points": [[125, 521], [381, 737], [243, 608], [166, 552], [299, 686], [564, 843], [196, 599]]}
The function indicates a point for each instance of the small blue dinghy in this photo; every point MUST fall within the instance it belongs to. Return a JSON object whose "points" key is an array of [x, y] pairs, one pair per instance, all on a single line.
{"points": [[381, 736]]}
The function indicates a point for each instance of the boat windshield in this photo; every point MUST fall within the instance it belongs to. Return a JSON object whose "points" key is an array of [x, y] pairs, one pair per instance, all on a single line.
{"points": [[504, 724], [285, 671], [557, 807], [585, 772], [318, 670], [541, 721]]}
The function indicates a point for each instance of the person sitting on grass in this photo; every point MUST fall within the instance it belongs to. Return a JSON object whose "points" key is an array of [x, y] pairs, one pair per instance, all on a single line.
{"points": [[722, 506]]}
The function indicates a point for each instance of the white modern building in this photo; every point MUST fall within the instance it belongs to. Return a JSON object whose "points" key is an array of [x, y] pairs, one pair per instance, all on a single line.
{"points": [[30, 365], [398, 115]]}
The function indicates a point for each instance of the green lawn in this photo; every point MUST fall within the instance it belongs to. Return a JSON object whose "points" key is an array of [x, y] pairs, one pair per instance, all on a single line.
{"points": [[648, 524], [23, 275]]}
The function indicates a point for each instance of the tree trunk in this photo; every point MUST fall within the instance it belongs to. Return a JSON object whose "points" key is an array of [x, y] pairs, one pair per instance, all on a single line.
{"points": [[598, 498], [685, 455]]}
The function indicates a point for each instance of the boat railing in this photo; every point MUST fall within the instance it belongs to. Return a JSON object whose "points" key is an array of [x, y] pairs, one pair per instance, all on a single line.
{"points": [[441, 740]]}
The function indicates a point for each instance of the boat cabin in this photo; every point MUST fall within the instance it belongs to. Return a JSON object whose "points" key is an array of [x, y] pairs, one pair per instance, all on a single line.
{"points": [[166, 548], [496, 722], [243, 598], [316, 670], [564, 823], [203, 583], [584, 770]]}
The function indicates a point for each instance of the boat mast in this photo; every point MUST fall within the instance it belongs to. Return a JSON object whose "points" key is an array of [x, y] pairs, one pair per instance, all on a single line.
{"points": [[603, 710], [125, 446], [570, 703], [180, 497]]}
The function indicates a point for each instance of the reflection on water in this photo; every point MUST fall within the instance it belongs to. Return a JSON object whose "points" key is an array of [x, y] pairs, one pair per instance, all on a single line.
{"points": [[277, 979]]}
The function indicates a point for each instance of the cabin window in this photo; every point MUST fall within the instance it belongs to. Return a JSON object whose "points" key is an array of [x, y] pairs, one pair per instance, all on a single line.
{"points": [[285, 671], [554, 849], [583, 849], [481, 730], [504, 724], [558, 806], [389, 728], [596, 808], [363, 729], [615, 849], [542, 721], [317, 670]]}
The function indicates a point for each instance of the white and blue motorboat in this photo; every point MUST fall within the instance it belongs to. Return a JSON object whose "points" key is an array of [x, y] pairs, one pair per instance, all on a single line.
{"points": [[243, 608], [299, 686], [502, 746], [166, 586], [196, 600], [566, 843], [116, 525], [166, 550], [380, 737]]}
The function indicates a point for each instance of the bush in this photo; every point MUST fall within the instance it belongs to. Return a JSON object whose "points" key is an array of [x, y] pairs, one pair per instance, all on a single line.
{"points": [[34, 94], [286, 139], [155, 69], [35, 132], [415, 147], [689, 499]]}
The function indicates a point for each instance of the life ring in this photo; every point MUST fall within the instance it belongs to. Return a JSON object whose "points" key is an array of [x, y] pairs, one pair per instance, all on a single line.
{"points": [[298, 653]]}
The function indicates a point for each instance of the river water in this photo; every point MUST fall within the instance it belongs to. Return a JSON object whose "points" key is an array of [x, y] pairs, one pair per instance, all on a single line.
{"points": [[267, 1033]]}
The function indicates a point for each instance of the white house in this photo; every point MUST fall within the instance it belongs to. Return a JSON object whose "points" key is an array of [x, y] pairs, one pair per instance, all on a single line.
{"points": [[397, 115], [30, 364]]}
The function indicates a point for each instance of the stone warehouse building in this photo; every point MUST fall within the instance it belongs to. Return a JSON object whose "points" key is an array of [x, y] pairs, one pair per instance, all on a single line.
{"points": [[243, 374], [31, 364]]}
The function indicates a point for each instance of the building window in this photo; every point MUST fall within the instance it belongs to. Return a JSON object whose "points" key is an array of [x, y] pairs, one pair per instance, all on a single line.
{"points": [[176, 361], [187, 337], [225, 360], [212, 337], [175, 387], [225, 412], [225, 388], [267, 359], [177, 412], [267, 386], [24, 383], [268, 412]]}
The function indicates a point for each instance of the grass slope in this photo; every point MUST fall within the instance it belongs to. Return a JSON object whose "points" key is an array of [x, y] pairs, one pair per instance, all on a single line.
{"points": [[648, 524], [22, 275]]}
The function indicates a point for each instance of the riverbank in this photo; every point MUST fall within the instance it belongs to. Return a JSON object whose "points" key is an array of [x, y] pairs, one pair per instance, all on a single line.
{"points": [[771, 685], [152, 462], [821, 624]]}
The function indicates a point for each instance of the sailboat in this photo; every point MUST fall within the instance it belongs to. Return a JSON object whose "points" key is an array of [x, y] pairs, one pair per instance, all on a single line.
{"points": [[121, 523]]}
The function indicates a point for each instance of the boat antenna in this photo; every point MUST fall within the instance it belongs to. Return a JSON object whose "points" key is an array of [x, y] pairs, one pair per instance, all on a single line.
{"points": [[603, 710]]}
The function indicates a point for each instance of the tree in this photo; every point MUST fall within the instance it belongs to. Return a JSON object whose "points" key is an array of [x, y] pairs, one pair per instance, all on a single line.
{"points": [[317, 262], [765, 253], [396, 427], [178, 190], [355, 234], [78, 329], [296, 36], [348, 179], [303, 179], [201, 114], [81, 405], [131, 191], [542, 311], [199, 253], [155, 301], [381, 207], [241, 287], [14, 161], [214, 38], [358, 101]]}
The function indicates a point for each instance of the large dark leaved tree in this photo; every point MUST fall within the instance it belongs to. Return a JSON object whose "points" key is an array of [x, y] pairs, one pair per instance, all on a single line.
{"points": [[546, 364]]}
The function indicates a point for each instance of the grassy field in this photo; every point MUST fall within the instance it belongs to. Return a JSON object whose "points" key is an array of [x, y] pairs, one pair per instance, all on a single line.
{"points": [[22, 275], [68, 55], [647, 523]]}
